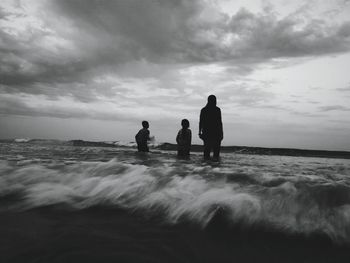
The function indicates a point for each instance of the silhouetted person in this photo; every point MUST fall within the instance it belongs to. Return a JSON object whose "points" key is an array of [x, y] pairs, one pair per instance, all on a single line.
{"points": [[210, 128], [142, 137], [183, 139]]}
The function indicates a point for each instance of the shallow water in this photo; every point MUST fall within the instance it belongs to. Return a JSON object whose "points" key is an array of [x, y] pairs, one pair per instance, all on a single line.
{"points": [[54, 192]]}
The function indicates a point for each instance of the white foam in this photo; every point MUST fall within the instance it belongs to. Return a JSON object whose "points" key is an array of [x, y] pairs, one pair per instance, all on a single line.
{"points": [[181, 192], [22, 140]]}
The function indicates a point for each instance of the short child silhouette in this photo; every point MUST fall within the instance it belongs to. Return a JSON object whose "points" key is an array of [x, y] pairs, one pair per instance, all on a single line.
{"points": [[142, 137], [183, 139]]}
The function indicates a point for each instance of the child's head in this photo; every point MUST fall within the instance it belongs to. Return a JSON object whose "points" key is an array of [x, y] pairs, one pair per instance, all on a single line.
{"points": [[145, 124], [185, 123]]}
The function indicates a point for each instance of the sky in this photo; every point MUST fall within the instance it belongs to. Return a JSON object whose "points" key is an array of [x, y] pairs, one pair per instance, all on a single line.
{"points": [[94, 69]]}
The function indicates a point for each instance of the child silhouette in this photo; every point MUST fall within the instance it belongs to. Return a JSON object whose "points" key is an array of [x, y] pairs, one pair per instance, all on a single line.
{"points": [[183, 139], [142, 137]]}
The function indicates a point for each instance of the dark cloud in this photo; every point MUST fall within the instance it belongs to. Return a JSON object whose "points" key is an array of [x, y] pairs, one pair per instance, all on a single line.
{"points": [[152, 30], [16, 106], [102, 35], [182, 32], [313, 102], [306, 114], [82, 41], [334, 108], [268, 37], [345, 89]]}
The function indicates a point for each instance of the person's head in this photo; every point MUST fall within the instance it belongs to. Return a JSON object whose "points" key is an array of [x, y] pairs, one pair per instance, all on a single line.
{"points": [[211, 101], [145, 124], [185, 123]]}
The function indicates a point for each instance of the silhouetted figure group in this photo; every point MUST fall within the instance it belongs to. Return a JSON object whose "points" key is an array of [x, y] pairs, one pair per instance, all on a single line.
{"points": [[210, 131]]}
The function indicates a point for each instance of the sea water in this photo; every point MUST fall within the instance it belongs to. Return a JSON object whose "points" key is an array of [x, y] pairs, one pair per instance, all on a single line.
{"points": [[60, 203]]}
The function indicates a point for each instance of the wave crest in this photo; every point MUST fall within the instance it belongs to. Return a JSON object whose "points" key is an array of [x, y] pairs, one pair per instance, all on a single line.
{"points": [[197, 196]]}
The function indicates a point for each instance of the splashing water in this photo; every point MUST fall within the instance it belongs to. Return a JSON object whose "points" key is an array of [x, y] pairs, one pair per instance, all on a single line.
{"points": [[290, 194]]}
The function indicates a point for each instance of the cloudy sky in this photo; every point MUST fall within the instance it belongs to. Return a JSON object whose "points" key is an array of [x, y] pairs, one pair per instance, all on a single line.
{"points": [[94, 69]]}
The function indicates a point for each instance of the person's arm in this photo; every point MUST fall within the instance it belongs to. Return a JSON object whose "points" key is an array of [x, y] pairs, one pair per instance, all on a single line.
{"points": [[137, 136], [221, 128], [189, 137], [178, 137], [147, 136], [200, 123]]}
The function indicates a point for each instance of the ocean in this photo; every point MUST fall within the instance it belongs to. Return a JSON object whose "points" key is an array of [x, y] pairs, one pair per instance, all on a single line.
{"points": [[66, 203]]}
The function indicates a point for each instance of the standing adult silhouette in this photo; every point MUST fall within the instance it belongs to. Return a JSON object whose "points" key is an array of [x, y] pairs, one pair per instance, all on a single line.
{"points": [[210, 128]]}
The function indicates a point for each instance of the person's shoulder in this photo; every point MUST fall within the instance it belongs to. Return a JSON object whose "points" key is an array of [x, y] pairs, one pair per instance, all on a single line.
{"points": [[143, 130], [205, 110]]}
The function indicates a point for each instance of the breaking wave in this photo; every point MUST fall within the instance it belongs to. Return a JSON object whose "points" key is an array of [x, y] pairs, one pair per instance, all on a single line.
{"points": [[183, 191]]}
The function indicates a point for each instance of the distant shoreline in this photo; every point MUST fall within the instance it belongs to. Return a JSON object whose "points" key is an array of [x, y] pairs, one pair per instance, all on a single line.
{"points": [[195, 148], [241, 150], [269, 151]]}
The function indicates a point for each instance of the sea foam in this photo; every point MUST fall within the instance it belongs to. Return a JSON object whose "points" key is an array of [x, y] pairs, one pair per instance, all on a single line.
{"points": [[178, 191]]}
